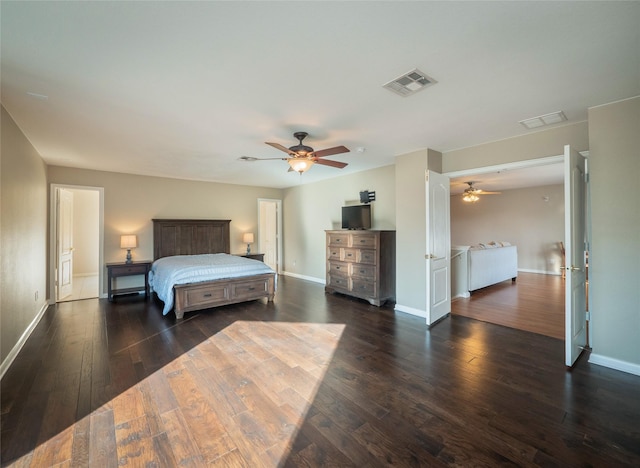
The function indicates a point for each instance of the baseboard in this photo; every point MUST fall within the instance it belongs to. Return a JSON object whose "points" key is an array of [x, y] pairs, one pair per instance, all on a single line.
{"points": [[461, 296], [303, 277], [411, 311], [84, 275], [23, 339], [616, 364]]}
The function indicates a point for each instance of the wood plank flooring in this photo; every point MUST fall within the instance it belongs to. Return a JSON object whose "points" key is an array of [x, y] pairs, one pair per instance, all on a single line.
{"points": [[309, 380], [533, 303]]}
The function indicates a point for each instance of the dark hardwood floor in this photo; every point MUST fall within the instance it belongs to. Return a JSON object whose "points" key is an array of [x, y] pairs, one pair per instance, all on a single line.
{"points": [[534, 303], [310, 380]]}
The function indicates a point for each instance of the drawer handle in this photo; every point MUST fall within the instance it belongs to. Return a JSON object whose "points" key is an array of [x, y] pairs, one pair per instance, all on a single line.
{"points": [[349, 255], [362, 241], [252, 289], [337, 268], [206, 295], [361, 271]]}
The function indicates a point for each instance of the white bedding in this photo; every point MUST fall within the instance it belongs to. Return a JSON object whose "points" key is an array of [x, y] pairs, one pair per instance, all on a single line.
{"points": [[183, 269]]}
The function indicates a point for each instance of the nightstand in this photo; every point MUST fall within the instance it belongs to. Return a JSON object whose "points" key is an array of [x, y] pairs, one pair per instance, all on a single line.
{"points": [[254, 256], [119, 269]]}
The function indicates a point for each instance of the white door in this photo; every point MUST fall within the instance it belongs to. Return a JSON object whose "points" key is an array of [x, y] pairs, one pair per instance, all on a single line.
{"points": [[268, 230], [438, 247], [575, 262], [64, 283]]}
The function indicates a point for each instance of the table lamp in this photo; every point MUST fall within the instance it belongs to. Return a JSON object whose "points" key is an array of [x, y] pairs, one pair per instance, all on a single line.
{"points": [[129, 241], [247, 238]]}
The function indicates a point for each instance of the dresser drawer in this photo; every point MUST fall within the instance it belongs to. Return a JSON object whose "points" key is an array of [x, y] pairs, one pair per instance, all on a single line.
{"points": [[368, 256], [209, 294], [363, 271], [334, 253], [338, 281], [363, 286], [350, 255], [339, 268], [249, 289], [364, 241], [125, 270], [338, 239]]}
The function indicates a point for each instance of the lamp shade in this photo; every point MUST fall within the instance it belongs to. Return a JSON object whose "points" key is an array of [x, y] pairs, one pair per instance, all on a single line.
{"points": [[300, 164], [247, 238], [129, 241]]}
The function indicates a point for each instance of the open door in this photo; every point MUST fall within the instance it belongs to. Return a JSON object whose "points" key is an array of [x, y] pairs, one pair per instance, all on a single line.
{"points": [[269, 227], [438, 255], [64, 273], [575, 263]]}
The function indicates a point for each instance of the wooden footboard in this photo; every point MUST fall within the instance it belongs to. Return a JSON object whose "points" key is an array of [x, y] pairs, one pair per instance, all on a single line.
{"points": [[207, 294]]}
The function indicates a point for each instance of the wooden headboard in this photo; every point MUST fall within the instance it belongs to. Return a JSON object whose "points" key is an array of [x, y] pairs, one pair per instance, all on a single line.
{"points": [[190, 237]]}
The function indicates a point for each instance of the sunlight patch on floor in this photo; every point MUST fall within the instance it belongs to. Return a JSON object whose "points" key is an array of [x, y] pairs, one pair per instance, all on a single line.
{"points": [[238, 398]]}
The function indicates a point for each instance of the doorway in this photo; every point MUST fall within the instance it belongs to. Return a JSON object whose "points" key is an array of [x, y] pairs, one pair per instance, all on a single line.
{"points": [[574, 220], [269, 229], [76, 249]]}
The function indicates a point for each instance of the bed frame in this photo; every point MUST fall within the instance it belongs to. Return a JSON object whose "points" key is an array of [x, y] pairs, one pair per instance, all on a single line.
{"points": [[206, 236]]}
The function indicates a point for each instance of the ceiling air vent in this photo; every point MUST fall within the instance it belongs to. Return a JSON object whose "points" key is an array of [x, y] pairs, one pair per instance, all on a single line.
{"points": [[542, 120], [409, 83]]}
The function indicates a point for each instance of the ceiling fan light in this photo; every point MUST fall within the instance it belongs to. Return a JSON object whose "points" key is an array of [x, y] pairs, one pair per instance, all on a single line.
{"points": [[300, 165], [470, 197]]}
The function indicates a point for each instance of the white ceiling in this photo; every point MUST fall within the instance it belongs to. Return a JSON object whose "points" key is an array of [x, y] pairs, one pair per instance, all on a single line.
{"points": [[184, 89]]}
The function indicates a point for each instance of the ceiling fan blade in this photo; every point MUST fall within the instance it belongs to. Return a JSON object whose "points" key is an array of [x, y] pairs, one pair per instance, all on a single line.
{"points": [[329, 162], [252, 159], [482, 192], [281, 148], [331, 151]]}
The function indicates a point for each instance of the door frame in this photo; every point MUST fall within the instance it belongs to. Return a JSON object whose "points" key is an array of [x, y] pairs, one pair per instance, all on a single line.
{"points": [[53, 236], [278, 227], [559, 159]]}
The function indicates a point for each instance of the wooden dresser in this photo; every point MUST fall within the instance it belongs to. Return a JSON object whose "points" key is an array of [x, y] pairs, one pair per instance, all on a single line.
{"points": [[362, 264]]}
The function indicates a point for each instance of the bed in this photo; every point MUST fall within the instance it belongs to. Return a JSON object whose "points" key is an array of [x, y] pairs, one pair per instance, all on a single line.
{"points": [[191, 245], [482, 265]]}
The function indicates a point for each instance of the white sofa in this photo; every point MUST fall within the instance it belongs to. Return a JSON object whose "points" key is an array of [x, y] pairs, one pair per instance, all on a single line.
{"points": [[474, 268]]}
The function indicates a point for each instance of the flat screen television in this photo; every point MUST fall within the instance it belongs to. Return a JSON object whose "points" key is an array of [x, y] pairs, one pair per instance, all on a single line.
{"points": [[356, 217]]}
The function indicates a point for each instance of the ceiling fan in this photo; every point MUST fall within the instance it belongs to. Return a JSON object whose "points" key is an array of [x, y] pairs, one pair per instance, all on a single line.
{"points": [[471, 194], [302, 157]]}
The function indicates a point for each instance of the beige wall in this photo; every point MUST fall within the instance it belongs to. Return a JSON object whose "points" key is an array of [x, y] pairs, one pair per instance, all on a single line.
{"points": [[132, 201], [311, 209], [23, 236], [411, 274], [614, 166], [531, 218]]}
